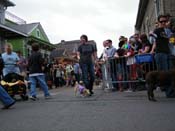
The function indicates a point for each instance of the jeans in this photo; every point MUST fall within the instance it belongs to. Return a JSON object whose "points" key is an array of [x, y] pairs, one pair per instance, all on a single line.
{"points": [[88, 75], [162, 61], [4, 97], [41, 80], [172, 62], [77, 77]]}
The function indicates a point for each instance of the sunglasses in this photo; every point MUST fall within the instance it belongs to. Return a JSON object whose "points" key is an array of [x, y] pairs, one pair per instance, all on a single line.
{"points": [[163, 21]]}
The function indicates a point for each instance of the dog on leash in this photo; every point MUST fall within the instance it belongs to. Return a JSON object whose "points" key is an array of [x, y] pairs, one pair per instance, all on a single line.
{"points": [[163, 79], [80, 88]]}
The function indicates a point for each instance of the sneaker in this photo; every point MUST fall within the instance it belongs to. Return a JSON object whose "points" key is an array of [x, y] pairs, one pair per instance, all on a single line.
{"points": [[8, 106], [48, 97], [33, 98]]}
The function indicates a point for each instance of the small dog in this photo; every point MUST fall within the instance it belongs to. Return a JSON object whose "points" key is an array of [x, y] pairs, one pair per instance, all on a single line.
{"points": [[79, 87], [161, 79]]}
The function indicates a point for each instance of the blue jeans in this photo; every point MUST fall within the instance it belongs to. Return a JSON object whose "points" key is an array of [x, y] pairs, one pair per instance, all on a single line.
{"points": [[41, 80], [4, 97], [88, 75], [162, 61]]}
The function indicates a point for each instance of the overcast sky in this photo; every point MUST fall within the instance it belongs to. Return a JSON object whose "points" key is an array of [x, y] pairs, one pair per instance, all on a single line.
{"points": [[69, 19]]}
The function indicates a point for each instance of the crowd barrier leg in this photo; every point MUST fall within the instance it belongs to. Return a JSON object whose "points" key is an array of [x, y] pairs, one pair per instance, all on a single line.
{"points": [[106, 77]]}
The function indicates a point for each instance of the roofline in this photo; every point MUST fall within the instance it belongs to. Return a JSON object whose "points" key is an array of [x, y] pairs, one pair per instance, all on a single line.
{"points": [[42, 29], [13, 30], [141, 13], [37, 23]]}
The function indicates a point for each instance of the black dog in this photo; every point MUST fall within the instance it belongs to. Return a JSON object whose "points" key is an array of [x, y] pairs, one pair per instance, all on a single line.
{"points": [[163, 79]]}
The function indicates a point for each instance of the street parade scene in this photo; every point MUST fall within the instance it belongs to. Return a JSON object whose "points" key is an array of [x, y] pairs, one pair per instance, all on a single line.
{"points": [[87, 81]]}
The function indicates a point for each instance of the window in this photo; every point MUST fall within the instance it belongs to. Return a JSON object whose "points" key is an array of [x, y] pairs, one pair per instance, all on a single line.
{"points": [[38, 33], [28, 52]]}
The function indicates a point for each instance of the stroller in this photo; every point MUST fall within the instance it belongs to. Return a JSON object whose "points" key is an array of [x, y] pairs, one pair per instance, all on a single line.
{"points": [[14, 84]]}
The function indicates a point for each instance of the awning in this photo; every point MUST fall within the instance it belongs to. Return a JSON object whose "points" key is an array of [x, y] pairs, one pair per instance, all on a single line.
{"points": [[8, 32]]}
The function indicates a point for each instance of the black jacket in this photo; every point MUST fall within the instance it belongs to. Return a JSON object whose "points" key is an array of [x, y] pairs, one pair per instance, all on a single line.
{"points": [[35, 63]]}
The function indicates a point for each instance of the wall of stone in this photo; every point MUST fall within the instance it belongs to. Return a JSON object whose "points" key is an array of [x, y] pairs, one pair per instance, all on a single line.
{"points": [[150, 16]]}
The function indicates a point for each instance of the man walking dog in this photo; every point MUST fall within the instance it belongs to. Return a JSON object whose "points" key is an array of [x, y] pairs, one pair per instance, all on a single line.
{"points": [[87, 55]]}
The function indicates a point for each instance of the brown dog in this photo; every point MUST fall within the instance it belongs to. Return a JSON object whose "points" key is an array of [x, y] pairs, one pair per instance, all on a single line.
{"points": [[161, 79]]}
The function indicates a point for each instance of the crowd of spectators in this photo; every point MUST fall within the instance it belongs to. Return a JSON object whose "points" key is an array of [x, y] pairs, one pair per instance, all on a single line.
{"points": [[158, 45]]}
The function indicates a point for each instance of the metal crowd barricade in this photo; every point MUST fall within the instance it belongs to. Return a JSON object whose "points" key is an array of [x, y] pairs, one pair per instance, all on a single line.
{"points": [[127, 71], [107, 82]]}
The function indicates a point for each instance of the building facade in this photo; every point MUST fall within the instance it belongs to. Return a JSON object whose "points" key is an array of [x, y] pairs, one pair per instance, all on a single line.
{"points": [[149, 10]]}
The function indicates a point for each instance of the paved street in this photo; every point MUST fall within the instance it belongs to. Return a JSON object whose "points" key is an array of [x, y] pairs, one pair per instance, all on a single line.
{"points": [[105, 111]]}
